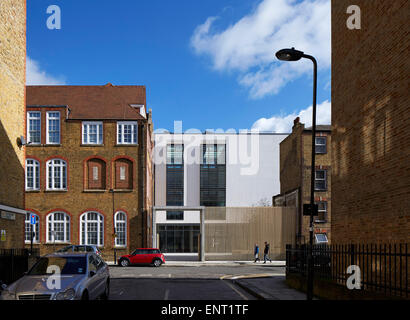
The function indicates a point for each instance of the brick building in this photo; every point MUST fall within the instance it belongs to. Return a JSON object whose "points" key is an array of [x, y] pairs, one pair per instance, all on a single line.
{"points": [[88, 166], [295, 173], [370, 119], [12, 121]]}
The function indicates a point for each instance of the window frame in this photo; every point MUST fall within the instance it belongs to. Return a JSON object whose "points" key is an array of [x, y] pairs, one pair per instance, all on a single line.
{"points": [[100, 126], [324, 179], [125, 223], [48, 127], [36, 238], [28, 127], [319, 211], [66, 227], [134, 132], [36, 174], [100, 229], [64, 167], [321, 145]]}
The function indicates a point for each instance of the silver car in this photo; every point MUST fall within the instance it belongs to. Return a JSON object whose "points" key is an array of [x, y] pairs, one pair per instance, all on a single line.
{"points": [[62, 276]]}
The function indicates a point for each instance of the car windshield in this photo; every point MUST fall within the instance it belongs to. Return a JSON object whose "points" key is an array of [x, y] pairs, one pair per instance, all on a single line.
{"points": [[62, 265]]}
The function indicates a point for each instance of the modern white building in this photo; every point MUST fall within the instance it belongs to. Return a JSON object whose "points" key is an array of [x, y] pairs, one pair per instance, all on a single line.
{"points": [[209, 169]]}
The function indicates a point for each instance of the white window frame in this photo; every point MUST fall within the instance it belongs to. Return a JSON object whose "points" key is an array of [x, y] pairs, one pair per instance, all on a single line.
{"points": [[84, 221], [36, 174], [120, 132], [63, 167], [29, 113], [322, 211], [50, 219], [324, 179], [320, 242], [47, 127], [124, 223], [321, 144], [36, 238], [100, 132]]}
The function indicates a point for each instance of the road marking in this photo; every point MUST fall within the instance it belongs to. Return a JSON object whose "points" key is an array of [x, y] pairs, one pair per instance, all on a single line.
{"points": [[236, 290], [166, 294], [250, 276], [121, 293]]}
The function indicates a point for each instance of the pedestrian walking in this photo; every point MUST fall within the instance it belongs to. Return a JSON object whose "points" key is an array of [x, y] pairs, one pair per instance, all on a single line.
{"points": [[266, 253], [256, 253]]}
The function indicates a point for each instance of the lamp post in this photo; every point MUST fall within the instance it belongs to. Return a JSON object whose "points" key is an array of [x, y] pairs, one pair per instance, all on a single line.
{"points": [[113, 216], [295, 55]]}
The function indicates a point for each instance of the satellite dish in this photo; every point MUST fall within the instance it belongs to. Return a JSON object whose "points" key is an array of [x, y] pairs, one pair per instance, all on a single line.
{"points": [[23, 141]]}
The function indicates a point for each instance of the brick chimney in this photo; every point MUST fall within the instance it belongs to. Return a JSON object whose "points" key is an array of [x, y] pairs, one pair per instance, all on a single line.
{"points": [[297, 124]]}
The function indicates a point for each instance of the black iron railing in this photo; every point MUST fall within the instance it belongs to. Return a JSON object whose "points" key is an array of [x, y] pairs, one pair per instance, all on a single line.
{"points": [[14, 262], [384, 268]]}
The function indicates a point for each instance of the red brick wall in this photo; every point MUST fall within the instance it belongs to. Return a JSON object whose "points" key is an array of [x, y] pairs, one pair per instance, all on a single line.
{"points": [[371, 123]]}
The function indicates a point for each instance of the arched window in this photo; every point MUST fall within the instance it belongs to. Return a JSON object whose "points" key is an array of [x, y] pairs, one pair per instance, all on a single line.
{"points": [[92, 228], [123, 174], [58, 227], [56, 174], [96, 174], [120, 220], [32, 175], [28, 228]]}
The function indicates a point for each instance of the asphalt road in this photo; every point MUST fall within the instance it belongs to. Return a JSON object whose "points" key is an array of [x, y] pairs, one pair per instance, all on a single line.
{"points": [[184, 283]]}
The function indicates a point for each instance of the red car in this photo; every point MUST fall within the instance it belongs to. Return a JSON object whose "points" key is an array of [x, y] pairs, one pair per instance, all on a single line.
{"points": [[150, 256]]}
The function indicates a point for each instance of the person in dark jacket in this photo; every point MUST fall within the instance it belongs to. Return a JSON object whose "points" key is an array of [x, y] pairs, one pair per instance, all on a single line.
{"points": [[266, 253], [256, 253]]}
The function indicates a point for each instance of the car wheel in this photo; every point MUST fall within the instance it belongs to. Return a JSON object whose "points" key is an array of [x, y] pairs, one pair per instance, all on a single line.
{"points": [[85, 295], [157, 263], [124, 263], [106, 293]]}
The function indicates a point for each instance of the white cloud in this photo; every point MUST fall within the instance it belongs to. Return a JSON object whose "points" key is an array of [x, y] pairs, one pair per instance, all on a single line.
{"points": [[36, 76], [283, 124], [249, 45]]}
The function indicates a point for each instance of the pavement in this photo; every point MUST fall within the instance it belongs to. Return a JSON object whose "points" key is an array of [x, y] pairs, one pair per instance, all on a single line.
{"points": [[216, 263]]}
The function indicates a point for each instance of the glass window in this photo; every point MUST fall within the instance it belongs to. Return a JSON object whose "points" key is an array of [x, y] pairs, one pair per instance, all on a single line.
{"points": [[322, 211], [58, 227], [213, 176], [34, 127], [35, 228], [178, 238], [320, 179], [321, 238], [92, 229], [93, 132], [67, 265], [32, 175], [127, 132], [175, 215], [56, 174], [175, 175], [53, 127], [121, 229], [320, 145]]}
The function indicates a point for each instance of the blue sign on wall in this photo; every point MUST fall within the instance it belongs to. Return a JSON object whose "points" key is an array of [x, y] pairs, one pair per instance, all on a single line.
{"points": [[32, 219]]}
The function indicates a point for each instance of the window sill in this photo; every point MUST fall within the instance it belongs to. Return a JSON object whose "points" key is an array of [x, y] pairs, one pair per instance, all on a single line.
{"points": [[43, 145], [321, 221], [56, 191], [126, 145], [123, 190], [94, 191], [91, 145], [57, 243]]}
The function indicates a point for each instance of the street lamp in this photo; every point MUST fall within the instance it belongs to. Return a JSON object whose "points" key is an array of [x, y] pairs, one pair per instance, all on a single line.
{"points": [[295, 55]]}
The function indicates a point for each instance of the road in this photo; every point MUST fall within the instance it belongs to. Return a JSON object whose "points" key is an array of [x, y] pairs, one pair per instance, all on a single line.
{"points": [[185, 283]]}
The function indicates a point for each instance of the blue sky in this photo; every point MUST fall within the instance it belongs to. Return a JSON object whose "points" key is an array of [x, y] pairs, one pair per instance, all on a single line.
{"points": [[208, 63]]}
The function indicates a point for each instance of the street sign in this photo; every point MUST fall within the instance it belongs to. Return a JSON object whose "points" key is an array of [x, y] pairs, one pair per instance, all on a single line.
{"points": [[307, 209], [32, 219]]}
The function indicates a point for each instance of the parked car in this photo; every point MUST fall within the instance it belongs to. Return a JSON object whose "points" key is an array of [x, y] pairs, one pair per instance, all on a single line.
{"points": [[81, 248], [149, 256], [81, 276]]}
